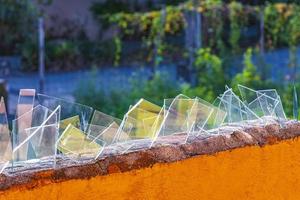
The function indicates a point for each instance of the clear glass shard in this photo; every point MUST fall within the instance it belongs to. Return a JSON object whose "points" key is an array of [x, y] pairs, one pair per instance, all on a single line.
{"points": [[104, 127], [25, 105], [236, 110], [70, 111], [217, 117], [274, 103], [41, 134], [25, 101], [263, 102], [104, 133], [5, 139], [43, 139], [207, 117]]}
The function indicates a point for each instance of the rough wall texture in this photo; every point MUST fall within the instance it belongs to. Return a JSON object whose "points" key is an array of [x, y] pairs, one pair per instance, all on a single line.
{"points": [[266, 166]]}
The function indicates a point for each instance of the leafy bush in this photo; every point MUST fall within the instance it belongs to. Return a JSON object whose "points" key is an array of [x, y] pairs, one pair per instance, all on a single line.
{"points": [[18, 24], [117, 101], [210, 76], [249, 76]]}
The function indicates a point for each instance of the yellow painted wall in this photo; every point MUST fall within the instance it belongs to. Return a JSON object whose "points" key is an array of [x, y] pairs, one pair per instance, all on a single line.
{"points": [[271, 172]]}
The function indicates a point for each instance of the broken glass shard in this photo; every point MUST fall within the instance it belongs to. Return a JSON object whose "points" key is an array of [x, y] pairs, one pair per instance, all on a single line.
{"points": [[25, 105], [137, 129], [70, 111], [5, 140], [236, 110], [104, 127], [76, 144], [265, 103], [179, 119], [41, 135]]}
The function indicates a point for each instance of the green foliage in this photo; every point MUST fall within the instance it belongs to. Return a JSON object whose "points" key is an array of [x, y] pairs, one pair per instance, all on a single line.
{"points": [[18, 22], [295, 104], [156, 89], [110, 7], [210, 76], [287, 94], [275, 21], [293, 37], [235, 25], [144, 24], [117, 102], [293, 26], [209, 66], [216, 20], [64, 49], [118, 50], [249, 75]]}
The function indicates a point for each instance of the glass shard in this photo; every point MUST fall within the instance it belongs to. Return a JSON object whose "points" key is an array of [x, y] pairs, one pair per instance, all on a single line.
{"points": [[5, 140], [70, 111], [41, 134], [75, 144], [179, 119], [236, 110], [25, 105], [263, 102], [138, 126], [104, 127], [207, 116]]}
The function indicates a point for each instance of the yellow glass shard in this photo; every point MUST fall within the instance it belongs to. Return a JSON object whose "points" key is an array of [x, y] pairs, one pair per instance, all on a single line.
{"points": [[75, 121], [74, 141], [141, 117], [154, 129], [179, 117]]}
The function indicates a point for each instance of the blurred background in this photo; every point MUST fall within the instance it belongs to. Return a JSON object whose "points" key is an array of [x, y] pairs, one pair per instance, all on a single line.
{"points": [[109, 53]]}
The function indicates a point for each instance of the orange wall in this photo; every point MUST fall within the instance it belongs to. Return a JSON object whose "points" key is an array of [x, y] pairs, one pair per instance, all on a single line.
{"points": [[271, 172]]}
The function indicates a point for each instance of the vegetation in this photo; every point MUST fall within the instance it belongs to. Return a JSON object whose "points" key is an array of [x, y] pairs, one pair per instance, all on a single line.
{"points": [[211, 82], [116, 102], [154, 35]]}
